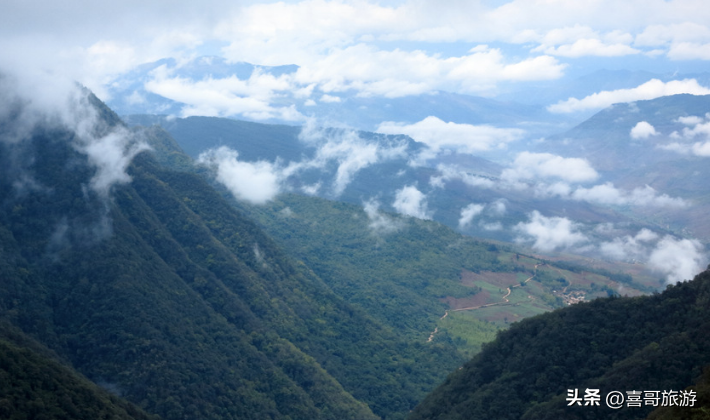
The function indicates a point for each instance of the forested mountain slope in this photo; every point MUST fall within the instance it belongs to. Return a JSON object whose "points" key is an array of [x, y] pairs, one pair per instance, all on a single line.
{"points": [[34, 385], [659, 342], [160, 290], [420, 276], [121, 257]]}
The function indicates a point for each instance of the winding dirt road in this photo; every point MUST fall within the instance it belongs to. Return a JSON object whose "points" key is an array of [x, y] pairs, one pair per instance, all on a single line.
{"points": [[487, 305]]}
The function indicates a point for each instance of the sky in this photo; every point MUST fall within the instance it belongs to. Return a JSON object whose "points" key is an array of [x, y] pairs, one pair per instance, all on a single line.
{"points": [[366, 48]]}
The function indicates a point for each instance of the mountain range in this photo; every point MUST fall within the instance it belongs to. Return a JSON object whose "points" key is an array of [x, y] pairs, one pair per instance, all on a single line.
{"points": [[590, 197], [136, 276]]}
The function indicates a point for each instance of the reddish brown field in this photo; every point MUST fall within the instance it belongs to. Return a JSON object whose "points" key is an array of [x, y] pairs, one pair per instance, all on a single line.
{"points": [[502, 280], [480, 298]]}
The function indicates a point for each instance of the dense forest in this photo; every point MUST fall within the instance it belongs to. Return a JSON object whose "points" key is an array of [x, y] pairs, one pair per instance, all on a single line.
{"points": [[163, 293]]}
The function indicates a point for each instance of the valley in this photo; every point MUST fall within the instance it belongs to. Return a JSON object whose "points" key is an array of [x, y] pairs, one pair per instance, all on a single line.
{"points": [[354, 210]]}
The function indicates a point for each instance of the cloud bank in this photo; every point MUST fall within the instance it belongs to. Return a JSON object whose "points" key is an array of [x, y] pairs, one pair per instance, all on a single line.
{"points": [[696, 127], [528, 165], [650, 90], [676, 259], [463, 138], [259, 182]]}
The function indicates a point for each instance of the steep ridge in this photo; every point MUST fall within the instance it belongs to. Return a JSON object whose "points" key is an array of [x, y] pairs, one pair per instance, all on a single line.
{"points": [[658, 342], [33, 384], [151, 307], [162, 291]]}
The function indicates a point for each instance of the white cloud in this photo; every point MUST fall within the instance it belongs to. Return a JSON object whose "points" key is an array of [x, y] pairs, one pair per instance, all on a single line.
{"points": [[608, 194], [370, 71], [411, 202], [491, 226], [329, 99], [379, 222], [348, 149], [468, 213], [255, 182], [311, 189], [549, 234], [229, 96], [689, 51], [93, 42], [642, 130], [111, 154], [590, 47], [700, 129], [451, 172], [678, 259], [649, 90], [701, 149], [464, 138], [629, 247], [697, 149], [528, 165], [668, 34], [697, 126], [581, 41], [690, 120], [30, 98]]}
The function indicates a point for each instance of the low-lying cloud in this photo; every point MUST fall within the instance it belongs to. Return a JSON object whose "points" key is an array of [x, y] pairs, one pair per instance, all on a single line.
{"points": [[259, 182], [252, 98], [678, 259], [463, 138], [351, 152], [448, 173], [255, 182], [528, 165], [468, 213], [608, 194], [642, 130], [549, 234], [686, 139], [411, 202], [675, 258], [33, 100], [650, 90], [380, 223]]}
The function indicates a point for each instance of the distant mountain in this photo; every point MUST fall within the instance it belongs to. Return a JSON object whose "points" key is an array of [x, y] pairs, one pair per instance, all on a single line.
{"points": [[669, 158], [654, 343], [551, 92], [134, 93], [464, 178], [166, 295]]}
